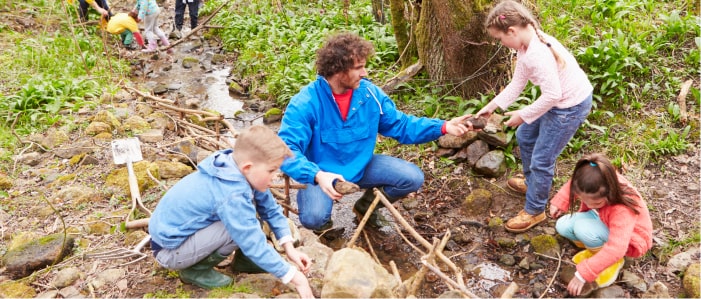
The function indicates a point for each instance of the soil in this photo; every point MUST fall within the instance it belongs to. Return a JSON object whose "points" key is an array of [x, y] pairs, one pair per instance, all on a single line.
{"points": [[670, 186]]}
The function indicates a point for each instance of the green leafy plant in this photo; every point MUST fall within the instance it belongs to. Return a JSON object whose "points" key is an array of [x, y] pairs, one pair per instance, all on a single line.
{"points": [[672, 144]]}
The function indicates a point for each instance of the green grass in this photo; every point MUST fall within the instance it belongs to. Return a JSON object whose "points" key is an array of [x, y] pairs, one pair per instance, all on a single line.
{"points": [[276, 47], [51, 70]]}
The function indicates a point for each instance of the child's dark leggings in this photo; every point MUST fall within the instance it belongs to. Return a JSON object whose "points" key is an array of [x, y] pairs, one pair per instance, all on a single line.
{"points": [[193, 9]]}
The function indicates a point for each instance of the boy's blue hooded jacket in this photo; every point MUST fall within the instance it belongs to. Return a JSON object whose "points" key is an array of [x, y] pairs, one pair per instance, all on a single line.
{"points": [[218, 191], [319, 138]]}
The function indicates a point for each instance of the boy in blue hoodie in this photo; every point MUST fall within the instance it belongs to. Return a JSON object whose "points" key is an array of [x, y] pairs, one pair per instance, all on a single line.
{"points": [[212, 212]]}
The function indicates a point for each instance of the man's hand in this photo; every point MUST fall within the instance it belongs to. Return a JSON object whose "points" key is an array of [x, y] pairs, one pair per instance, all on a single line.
{"points": [[456, 126], [325, 181]]}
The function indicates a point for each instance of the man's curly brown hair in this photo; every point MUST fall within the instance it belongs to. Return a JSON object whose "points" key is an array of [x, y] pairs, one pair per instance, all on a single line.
{"points": [[340, 52]]}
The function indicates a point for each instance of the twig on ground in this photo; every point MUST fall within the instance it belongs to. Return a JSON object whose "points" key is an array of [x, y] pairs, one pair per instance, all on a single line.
{"points": [[681, 99], [559, 262], [372, 251]]}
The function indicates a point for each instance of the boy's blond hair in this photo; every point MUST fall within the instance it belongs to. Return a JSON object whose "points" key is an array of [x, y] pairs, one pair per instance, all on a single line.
{"points": [[261, 145]]}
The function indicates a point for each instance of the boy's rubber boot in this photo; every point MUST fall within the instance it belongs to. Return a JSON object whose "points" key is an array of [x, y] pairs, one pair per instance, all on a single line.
{"points": [[151, 47], [203, 274], [361, 206], [242, 264]]}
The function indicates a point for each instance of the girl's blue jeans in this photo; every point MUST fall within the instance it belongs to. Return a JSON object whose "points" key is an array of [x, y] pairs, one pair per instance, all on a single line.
{"points": [[541, 142], [585, 227], [397, 177]]}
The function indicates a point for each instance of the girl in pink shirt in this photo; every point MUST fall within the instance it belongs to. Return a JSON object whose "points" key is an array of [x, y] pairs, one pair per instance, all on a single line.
{"points": [[547, 124], [612, 221]]}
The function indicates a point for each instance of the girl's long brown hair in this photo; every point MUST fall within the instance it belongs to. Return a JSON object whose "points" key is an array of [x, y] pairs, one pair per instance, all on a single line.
{"points": [[509, 13], [594, 174]]}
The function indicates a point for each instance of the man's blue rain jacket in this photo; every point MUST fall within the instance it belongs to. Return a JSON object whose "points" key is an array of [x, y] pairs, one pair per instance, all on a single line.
{"points": [[319, 138]]}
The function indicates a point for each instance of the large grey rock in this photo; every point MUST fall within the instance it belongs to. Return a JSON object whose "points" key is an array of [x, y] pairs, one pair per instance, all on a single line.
{"points": [[492, 164], [681, 261]]}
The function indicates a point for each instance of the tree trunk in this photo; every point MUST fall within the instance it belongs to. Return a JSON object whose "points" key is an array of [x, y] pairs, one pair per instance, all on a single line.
{"points": [[378, 11], [404, 18], [454, 46]]}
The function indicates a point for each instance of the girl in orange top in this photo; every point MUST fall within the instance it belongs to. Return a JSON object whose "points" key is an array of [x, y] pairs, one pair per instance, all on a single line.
{"points": [[612, 221]]}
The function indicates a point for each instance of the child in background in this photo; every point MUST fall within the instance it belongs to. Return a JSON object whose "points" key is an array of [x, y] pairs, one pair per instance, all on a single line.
{"points": [[547, 124], [212, 212], [148, 10], [125, 25], [612, 221]]}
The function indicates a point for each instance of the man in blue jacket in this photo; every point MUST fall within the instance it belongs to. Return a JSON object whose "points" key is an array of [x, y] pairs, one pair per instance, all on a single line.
{"points": [[331, 126]]}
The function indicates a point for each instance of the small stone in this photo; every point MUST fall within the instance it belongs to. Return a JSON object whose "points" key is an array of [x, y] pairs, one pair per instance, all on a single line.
{"points": [[345, 187]]}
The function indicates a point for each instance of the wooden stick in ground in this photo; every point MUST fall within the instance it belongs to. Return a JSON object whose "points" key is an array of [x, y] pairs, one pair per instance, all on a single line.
{"points": [[281, 201], [559, 262], [200, 26], [137, 223], [447, 279], [421, 274], [378, 198], [372, 251], [418, 237], [292, 186], [681, 99], [148, 96]]}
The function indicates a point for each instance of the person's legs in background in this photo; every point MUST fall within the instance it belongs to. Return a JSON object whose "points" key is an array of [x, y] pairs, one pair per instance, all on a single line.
{"points": [[194, 9], [179, 19]]}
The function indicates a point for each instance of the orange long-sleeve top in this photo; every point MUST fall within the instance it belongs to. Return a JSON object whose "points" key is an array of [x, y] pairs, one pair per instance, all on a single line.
{"points": [[630, 234]]}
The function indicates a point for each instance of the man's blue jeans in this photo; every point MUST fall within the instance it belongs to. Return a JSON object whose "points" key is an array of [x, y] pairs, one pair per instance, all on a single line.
{"points": [[397, 177], [585, 227], [541, 142]]}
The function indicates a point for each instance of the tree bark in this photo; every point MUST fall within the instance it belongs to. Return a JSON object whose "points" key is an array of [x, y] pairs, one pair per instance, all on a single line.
{"points": [[404, 16], [378, 11], [454, 46]]}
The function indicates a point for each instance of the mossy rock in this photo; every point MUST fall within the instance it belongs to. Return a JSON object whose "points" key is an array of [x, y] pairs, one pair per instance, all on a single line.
{"points": [[545, 244], [16, 289], [5, 182], [27, 257], [691, 284], [477, 203], [120, 177]]}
